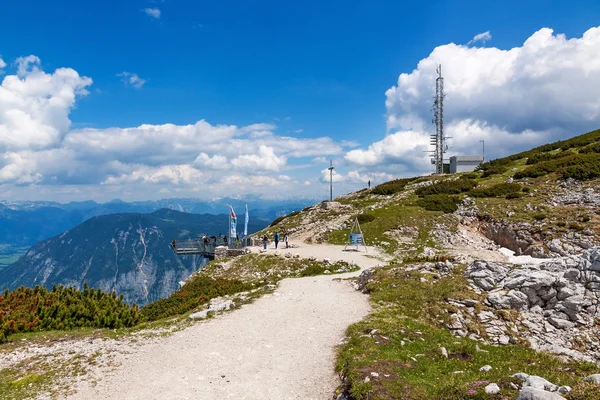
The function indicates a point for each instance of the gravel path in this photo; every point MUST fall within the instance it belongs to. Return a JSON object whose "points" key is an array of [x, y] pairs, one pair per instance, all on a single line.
{"points": [[280, 347]]}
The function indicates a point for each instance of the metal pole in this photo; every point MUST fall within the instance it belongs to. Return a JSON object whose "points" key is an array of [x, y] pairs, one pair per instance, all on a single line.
{"points": [[330, 180], [483, 149]]}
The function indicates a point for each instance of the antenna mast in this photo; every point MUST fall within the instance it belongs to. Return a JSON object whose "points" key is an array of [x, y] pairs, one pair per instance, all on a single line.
{"points": [[330, 180], [438, 139]]}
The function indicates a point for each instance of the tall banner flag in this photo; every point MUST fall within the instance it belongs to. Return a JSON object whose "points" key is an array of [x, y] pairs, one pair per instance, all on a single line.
{"points": [[233, 222], [246, 221]]}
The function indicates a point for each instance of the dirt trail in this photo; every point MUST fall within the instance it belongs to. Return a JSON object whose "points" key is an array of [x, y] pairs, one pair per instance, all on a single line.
{"points": [[280, 347]]}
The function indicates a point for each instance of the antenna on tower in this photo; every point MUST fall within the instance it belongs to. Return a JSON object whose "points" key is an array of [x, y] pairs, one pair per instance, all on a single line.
{"points": [[330, 180], [438, 140]]}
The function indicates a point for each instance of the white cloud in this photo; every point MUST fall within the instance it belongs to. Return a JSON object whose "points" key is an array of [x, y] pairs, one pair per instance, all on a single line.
{"points": [[173, 174], [152, 12], [481, 37], [264, 160], [237, 180], [335, 176], [2, 65], [545, 90], [214, 162], [134, 80], [35, 106], [40, 155]]}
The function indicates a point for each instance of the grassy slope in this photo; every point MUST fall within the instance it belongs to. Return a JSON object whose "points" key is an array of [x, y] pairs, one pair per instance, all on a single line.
{"points": [[409, 314], [401, 340]]}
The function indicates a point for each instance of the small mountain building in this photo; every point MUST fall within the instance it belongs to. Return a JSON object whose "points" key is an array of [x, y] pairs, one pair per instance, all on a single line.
{"points": [[464, 163]]}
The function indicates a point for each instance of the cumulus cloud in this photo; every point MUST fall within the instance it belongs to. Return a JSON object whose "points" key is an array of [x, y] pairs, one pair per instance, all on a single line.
{"points": [[215, 162], [172, 174], [134, 80], [264, 160], [39, 150], [481, 37], [545, 90], [35, 106], [2, 65], [152, 12]]}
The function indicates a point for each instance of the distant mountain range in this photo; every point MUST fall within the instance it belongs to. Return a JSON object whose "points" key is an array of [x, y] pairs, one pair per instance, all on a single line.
{"points": [[129, 253], [24, 223]]}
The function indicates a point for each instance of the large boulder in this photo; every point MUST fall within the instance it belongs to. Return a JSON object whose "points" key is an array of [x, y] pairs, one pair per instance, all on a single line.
{"points": [[486, 275], [529, 393]]}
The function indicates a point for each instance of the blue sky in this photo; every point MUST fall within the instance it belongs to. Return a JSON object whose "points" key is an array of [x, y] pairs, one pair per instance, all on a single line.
{"points": [[311, 69]]}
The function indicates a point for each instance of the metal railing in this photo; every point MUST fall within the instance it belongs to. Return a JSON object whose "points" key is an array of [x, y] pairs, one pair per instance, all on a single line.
{"points": [[205, 247]]}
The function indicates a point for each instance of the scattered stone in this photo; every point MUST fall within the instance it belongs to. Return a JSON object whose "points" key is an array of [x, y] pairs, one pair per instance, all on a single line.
{"points": [[374, 374], [444, 352], [564, 389], [492, 388], [595, 379], [485, 368]]}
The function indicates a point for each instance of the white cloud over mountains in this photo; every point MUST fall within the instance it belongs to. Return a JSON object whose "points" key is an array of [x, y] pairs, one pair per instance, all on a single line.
{"points": [[39, 148], [545, 90]]}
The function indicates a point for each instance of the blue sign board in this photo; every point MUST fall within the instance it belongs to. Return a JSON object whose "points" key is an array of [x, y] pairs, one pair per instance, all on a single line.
{"points": [[356, 239]]}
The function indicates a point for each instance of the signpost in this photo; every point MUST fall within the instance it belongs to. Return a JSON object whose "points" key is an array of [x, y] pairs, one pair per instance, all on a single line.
{"points": [[356, 237]]}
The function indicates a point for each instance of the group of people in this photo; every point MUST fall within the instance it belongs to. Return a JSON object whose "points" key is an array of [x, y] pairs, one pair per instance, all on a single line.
{"points": [[276, 239]]}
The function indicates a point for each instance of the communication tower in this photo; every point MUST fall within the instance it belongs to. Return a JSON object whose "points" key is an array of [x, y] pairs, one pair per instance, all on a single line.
{"points": [[438, 140]]}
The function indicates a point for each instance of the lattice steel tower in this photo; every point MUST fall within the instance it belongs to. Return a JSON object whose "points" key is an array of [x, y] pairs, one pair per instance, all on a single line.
{"points": [[439, 139]]}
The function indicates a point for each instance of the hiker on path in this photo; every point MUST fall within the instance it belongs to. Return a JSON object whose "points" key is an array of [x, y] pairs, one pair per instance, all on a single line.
{"points": [[285, 239], [276, 239], [369, 184], [265, 241]]}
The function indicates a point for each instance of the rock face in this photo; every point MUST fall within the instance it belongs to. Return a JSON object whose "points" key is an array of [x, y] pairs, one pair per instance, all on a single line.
{"points": [[330, 205], [128, 253], [537, 240], [559, 300]]}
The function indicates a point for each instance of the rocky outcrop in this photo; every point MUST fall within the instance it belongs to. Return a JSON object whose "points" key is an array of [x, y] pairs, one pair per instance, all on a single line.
{"points": [[559, 300], [516, 237]]}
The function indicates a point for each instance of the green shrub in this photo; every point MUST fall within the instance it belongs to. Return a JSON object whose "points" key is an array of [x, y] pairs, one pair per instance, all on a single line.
{"points": [[537, 158], [576, 166], [586, 170], [446, 187], [576, 227], [195, 292], [586, 218], [514, 196], [471, 175], [495, 170], [499, 190], [439, 202], [595, 148], [364, 218], [63, 308], [392, 187], [526, 189], [539, 216], [561, 224]]}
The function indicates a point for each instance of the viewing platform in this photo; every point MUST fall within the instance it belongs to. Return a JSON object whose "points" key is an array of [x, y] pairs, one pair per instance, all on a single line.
{"points": [[211, 248]]}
